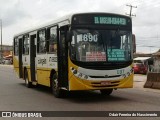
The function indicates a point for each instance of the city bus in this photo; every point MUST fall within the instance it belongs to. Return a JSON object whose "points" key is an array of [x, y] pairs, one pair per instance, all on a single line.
{"points": [[82, 51]]}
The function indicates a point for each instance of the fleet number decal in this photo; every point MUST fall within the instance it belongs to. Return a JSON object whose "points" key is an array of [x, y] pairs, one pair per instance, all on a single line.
{"points": [[88, 37], [120, 72]]}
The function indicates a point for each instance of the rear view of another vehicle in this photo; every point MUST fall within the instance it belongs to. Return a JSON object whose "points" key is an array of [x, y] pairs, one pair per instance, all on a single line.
{"points": [[140, 68]]}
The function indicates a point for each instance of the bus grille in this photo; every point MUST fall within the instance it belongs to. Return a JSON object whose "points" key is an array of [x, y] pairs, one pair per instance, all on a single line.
{"points": [[105, 76]]}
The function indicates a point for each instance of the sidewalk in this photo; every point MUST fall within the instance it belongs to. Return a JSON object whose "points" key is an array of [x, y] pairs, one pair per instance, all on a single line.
{"points": [[140, 80]]}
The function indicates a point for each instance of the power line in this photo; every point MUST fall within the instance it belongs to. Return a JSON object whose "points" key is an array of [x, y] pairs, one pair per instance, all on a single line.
{"points": [[131, 10]]}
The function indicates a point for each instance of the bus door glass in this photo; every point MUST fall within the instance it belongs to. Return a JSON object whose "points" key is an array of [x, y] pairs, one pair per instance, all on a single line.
{"points": [[20, 58], [63, 58], [32, 56]]}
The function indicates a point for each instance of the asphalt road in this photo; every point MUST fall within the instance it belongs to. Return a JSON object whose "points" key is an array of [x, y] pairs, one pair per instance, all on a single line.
{"points": [[14, 96]]}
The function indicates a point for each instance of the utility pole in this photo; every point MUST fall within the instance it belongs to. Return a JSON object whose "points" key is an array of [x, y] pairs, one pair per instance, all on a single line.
{"points": [[1, 40], [131, 10]]}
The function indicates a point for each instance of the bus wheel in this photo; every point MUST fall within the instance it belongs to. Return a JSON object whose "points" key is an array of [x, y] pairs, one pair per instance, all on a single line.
{"points": [[106, 91], [57, 92], [27, 82]]}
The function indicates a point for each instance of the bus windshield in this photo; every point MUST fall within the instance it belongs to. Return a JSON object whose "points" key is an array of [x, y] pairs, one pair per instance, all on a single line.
{"points": [[101, 45]]}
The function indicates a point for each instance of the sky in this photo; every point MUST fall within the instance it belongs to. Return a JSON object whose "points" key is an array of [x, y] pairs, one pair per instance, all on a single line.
{"points": [[20, 15]]}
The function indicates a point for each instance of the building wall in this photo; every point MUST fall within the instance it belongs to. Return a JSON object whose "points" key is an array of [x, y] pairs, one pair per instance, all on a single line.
{"points": [[6, 50]]}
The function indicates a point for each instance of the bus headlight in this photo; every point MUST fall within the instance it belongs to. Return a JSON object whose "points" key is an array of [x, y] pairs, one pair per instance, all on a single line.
{"points": [[124, 75], [74, 71], [128, 73], [77, 74], [85, 77], [80, 75]]}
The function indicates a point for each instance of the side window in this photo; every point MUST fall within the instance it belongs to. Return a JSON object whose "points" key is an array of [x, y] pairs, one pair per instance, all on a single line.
{"points": [[41, 42], [26, 45], [53, 39], [16, 46]]}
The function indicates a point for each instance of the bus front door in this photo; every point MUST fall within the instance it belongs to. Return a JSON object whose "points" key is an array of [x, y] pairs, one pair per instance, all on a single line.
{"points": [[32, 57], [20, 58], [63, 58]]}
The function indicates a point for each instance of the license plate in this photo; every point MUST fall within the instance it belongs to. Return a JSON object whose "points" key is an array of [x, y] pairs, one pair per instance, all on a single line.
{"points": [[105, 83]]}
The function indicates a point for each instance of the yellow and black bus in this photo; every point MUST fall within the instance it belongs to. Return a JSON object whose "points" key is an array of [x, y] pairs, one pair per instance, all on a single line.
{"points": [[82, 51]]}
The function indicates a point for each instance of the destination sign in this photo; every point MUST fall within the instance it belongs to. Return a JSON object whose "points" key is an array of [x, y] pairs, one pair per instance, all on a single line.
{"points": [[116, 55], [95, 56], [110, 20], [101, 19]]}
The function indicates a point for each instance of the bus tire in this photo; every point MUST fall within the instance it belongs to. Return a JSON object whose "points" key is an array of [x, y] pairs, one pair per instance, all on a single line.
{"points": [[57, 92], [27, 82], [106, 91]]}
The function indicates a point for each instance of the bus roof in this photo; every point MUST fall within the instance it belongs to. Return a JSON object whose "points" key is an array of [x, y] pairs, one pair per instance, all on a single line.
{"points": [[60, 20], [51, 23]]}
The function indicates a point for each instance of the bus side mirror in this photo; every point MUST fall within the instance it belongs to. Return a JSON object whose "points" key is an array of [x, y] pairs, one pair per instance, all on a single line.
{"points": [[69, 36]]}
